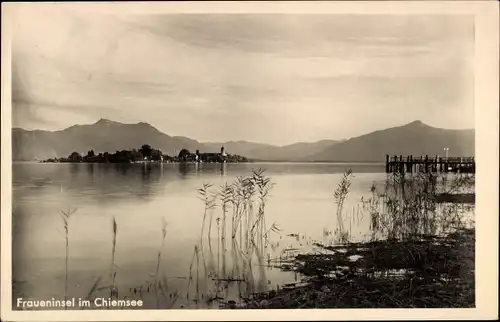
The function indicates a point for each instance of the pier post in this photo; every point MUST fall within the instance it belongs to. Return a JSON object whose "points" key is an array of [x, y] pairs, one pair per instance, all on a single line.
{"points": [[387, 163], [426, 164]]}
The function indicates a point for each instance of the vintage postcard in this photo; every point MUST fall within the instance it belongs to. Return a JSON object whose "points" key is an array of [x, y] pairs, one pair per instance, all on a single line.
{"points": [[249, 161]]}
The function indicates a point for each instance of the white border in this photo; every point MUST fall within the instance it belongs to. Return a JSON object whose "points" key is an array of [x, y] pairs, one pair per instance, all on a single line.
{"points": [[487, 116]]}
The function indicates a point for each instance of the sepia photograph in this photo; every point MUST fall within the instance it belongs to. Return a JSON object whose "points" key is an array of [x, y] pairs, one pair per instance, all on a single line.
{"points": [[194, 159]]}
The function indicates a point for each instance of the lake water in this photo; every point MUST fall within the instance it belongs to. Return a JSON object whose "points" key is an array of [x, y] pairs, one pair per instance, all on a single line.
{"points": [[138, 196]]}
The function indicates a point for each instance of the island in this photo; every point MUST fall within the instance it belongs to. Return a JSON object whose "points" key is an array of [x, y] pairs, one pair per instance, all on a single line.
{"points": [[147, 154]]}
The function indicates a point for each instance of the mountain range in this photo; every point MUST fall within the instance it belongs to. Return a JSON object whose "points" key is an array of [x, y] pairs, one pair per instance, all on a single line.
{"points": [[414, 138]]}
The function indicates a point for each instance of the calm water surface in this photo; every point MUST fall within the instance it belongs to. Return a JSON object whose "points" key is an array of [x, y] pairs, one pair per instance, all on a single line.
{"points": [[139, 196]]}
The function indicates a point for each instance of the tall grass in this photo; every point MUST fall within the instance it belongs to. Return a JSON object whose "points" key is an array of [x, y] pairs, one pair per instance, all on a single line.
{"points": [[456, 183], [238, 201], [225, 196], [196, 251], [243, 201], [208, 199], [264, 186], [407, 208], [65, 216], [242, 195], [340, 195], [113, 290], [158, 263]]}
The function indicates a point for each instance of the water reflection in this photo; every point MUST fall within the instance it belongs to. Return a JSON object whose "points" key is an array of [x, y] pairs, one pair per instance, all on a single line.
{"points": [[90, 171], [93, 179], [223, 169], [186, 169]]}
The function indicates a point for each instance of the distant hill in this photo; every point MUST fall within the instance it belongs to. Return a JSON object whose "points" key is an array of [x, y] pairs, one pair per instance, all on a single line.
{"points": [[102, 136], [108, 136], [293, 152], [415, 138], [267, 152]]}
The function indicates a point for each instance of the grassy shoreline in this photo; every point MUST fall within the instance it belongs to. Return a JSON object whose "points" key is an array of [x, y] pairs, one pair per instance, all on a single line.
{"points": [[428, 272]]}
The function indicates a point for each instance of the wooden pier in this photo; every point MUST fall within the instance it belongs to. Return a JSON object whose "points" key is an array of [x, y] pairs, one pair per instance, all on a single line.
{"points": [[429, 164]]}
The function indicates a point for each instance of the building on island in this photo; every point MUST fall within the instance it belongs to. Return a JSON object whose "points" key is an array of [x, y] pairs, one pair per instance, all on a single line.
{"points": [[206, 157], [211, 157]]}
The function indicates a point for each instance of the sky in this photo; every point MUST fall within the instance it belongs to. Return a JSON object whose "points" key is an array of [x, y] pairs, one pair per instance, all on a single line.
{"points": [[266, 78]]}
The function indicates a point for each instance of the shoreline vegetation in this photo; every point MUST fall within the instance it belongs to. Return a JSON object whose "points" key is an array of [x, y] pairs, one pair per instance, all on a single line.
{"points": [[428, 272], [419, 252], [146, 154]]}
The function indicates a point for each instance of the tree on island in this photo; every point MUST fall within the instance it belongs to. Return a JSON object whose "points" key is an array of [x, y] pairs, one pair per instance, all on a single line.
{"points": [[183, 154], [156, 155], [75, 157], [136, 155], [146, 151]]}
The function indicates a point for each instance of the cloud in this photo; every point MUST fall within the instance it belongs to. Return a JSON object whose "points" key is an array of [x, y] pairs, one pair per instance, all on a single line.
{"points": [[303, 34], [267, 78]]}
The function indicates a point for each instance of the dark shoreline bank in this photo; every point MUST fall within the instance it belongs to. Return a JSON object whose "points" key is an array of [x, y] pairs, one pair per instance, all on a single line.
{"points": [[426, 272]]}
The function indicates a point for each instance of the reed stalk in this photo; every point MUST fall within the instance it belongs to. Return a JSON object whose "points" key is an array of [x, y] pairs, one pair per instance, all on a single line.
{"points": [[218, 256], [163, 235], [209, 202], [113, 251], [226, 195], [197, 276], [158, 263], [340, 194], [65, 216], [210, 226], [190, 279]]}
